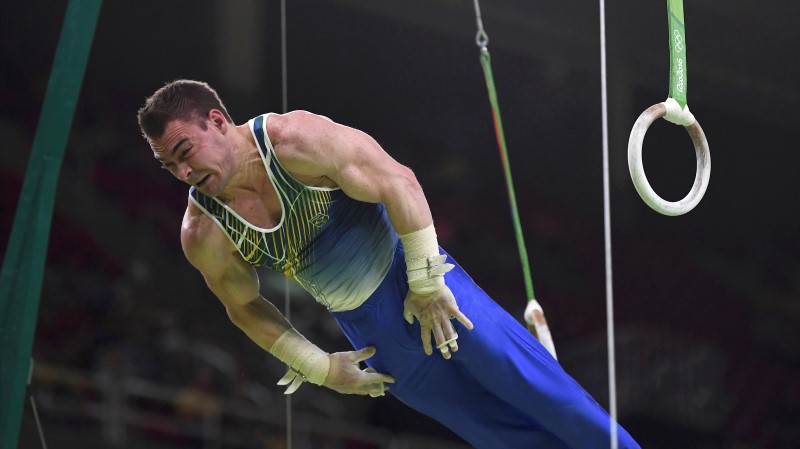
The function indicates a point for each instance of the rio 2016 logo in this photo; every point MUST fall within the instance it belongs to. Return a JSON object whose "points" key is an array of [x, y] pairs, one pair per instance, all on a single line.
{"points": [[679, 72], [680, 69], [678, 39]]}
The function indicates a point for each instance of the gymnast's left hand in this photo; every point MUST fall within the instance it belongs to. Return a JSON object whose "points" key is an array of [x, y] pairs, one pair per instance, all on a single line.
{"points": [[434, 312]]}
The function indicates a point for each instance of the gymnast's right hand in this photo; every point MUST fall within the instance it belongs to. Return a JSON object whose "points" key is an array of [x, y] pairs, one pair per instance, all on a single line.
{"points": [[434, 312], [346, 376]]}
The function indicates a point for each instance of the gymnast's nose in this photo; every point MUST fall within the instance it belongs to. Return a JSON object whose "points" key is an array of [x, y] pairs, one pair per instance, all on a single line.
{"points": [[183, 171]]}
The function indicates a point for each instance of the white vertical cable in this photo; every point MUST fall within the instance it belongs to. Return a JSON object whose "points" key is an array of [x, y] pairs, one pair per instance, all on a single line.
{"points": [[480, 38], [284, 76], [287, 296], [33, 407], [287, 312], [612, 371]]}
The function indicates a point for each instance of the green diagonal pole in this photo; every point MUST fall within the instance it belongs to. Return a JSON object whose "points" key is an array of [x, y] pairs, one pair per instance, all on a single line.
{"points": [[678, 73], [23, 265]]}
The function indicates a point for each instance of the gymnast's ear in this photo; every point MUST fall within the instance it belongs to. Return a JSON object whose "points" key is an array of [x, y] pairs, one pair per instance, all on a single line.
{"points": [[218, 120]]}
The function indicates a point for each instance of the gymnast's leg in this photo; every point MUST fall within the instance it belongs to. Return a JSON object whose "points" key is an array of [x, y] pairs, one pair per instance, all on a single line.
{"points": [[505, 358], [439, 388], [502, 389]]}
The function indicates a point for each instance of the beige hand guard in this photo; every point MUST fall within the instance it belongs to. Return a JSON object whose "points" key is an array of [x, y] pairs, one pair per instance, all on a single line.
{"points": [[425, 267], [306, 361]]}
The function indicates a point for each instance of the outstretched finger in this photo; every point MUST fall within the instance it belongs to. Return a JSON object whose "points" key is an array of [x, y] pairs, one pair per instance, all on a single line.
{"points": [[451, 336], [441, 345], [376, 377], [408, 315], [462, 318], [425, 334], [364, 354], [378, 390]]}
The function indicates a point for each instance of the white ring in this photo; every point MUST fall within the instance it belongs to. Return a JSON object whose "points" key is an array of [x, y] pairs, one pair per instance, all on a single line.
{"points": [[636, 167]]}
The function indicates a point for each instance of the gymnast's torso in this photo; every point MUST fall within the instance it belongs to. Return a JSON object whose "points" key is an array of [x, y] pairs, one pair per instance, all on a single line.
{"points": [[337, 248]]}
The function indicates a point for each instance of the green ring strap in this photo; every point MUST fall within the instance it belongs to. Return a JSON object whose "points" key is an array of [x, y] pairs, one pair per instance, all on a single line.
{"points": [[678, 72], [501, 144]]}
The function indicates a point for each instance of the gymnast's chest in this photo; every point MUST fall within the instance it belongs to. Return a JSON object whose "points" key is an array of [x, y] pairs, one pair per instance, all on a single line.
{"points": [[259, 209]]}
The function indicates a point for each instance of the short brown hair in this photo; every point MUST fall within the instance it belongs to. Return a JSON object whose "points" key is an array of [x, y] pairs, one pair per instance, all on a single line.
{"points": [[180, 99]]}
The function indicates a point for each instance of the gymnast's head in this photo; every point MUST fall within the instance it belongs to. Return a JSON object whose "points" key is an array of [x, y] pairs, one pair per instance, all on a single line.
{"points": [[187, 126], [185, 100]]}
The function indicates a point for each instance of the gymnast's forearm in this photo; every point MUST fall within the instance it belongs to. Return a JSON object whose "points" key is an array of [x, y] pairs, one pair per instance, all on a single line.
{"points": [[269, 329], [405, 202], [260, 320]]}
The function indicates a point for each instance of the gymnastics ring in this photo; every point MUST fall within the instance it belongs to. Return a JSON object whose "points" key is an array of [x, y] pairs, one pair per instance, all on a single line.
{"points": [[636, 168]]}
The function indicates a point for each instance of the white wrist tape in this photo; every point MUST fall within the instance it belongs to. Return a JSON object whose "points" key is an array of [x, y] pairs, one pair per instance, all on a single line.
{"points": [[424, 265], [304, 357]]}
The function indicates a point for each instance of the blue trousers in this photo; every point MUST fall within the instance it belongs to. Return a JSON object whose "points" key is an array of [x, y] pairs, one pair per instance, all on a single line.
{"points": [[502, 389]]}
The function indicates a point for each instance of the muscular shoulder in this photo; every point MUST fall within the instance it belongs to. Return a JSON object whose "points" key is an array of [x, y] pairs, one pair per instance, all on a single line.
{"points": [[295, 126], [204, 244], [304, 143]]}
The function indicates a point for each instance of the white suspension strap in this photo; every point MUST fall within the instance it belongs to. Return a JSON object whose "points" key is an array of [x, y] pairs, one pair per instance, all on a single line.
{"points": [[288, 313], [612, 367], [286, 283]]}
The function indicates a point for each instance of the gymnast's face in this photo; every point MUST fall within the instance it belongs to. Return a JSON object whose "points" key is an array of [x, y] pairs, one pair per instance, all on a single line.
{"points": [[199, 157]]}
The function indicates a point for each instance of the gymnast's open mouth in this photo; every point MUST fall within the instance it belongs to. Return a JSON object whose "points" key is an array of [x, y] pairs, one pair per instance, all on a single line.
{"points": [[203, 181]]}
